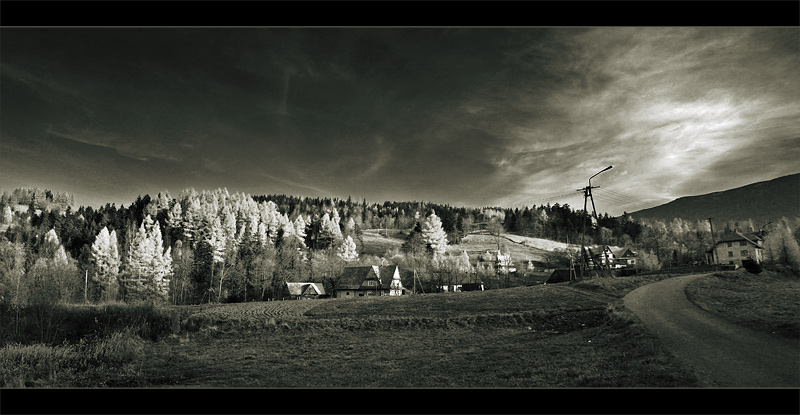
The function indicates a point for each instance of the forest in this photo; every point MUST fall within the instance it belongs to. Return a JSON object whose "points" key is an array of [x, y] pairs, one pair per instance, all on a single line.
{"points": [[216, 246]]}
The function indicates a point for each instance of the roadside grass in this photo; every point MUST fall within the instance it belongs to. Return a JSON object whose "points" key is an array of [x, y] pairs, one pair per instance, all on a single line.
{"points": [[768, 301]]}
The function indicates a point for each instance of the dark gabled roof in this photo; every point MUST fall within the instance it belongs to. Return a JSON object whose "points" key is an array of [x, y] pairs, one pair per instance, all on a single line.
{"points": [[754, 236], [736, 236], [622, 251]]}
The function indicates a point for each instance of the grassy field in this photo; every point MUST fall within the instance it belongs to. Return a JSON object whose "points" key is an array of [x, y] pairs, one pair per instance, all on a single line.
{"points": [[557, 335], [767, 301], [544, 336]]}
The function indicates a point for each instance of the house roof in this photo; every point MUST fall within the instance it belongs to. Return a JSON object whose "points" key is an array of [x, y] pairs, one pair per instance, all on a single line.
{"points": [[353, 277], [624, 252], [305, 288], [736, 236]]}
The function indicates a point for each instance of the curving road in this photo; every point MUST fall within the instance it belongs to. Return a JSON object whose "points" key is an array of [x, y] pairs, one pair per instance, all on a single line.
{"points": [[720, 353]]}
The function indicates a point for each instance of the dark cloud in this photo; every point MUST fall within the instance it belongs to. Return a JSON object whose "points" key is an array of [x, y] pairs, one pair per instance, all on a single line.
{"points": [[469, 116]]}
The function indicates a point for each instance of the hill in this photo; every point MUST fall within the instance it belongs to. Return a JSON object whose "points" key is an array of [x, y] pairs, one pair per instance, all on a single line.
{"points": [[762, 202], [378, 241]]}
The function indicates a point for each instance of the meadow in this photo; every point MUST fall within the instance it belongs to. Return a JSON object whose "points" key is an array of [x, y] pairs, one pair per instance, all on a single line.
{"points": [[542, 336]]}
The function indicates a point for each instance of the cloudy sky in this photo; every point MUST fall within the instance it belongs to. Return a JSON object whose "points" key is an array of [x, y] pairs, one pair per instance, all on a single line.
{"points": [[470, 116]]}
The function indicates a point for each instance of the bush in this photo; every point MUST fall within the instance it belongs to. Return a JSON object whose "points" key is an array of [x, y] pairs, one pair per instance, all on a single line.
{"points": [[751, 266]]}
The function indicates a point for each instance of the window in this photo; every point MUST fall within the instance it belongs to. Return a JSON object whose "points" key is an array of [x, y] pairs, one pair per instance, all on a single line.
{"points": [[730, 253], [371, 283], [743, 253], [730, 244], [742, 243]]}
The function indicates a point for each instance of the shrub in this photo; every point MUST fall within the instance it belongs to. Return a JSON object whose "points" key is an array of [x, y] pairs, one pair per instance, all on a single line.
{"points": [[751, 266]]}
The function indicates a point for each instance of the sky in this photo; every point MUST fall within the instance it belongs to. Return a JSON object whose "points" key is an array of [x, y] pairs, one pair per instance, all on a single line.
{"points": [[505, 117]]}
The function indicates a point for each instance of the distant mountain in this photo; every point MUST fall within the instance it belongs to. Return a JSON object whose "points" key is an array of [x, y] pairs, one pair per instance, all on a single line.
{"points": [[762, 202]]}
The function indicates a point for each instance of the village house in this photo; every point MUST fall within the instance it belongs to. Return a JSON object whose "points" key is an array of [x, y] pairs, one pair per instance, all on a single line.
{"points": [[735, 247], [369, 281], [625, 258], [603, 257], [303, 290]]}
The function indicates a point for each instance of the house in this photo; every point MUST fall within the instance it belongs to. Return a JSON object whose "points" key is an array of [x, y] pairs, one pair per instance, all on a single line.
{"points": [[369, 281], [502, 262], [735, 247], [602, 259], [303, 290], [625, 258]]}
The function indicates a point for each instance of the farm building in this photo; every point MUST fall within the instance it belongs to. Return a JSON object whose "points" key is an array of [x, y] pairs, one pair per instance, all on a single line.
{"points": [[369, 281], [735, 247], [303, 290]]}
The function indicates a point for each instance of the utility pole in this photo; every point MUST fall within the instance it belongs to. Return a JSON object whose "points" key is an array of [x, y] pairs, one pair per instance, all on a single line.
{"points": [[86, 287], [714, 246], [587, 194]]}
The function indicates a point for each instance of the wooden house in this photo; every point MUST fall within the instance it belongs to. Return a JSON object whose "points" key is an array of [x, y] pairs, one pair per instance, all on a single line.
{"points": [[303, 290], [625, 258], [369, 281]]}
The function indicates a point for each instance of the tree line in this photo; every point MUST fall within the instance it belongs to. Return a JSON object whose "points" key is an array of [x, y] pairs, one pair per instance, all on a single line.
{"points": [[219, 246]]}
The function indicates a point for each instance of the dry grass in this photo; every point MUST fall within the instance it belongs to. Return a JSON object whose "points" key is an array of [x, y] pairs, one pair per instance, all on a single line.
{"points": [[768, 301], [92, 362]]}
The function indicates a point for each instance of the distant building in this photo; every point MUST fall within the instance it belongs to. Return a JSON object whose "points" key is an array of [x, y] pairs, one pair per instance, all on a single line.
{"points": [[303, 290], [735, 247], [369, 281]]}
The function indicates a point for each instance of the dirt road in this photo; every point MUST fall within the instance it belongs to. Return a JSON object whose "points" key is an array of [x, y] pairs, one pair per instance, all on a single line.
{"points": [[722, 354]]}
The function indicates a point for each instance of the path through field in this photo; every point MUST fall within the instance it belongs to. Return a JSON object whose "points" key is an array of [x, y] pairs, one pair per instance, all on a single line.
{"points": [[721, 353]]}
